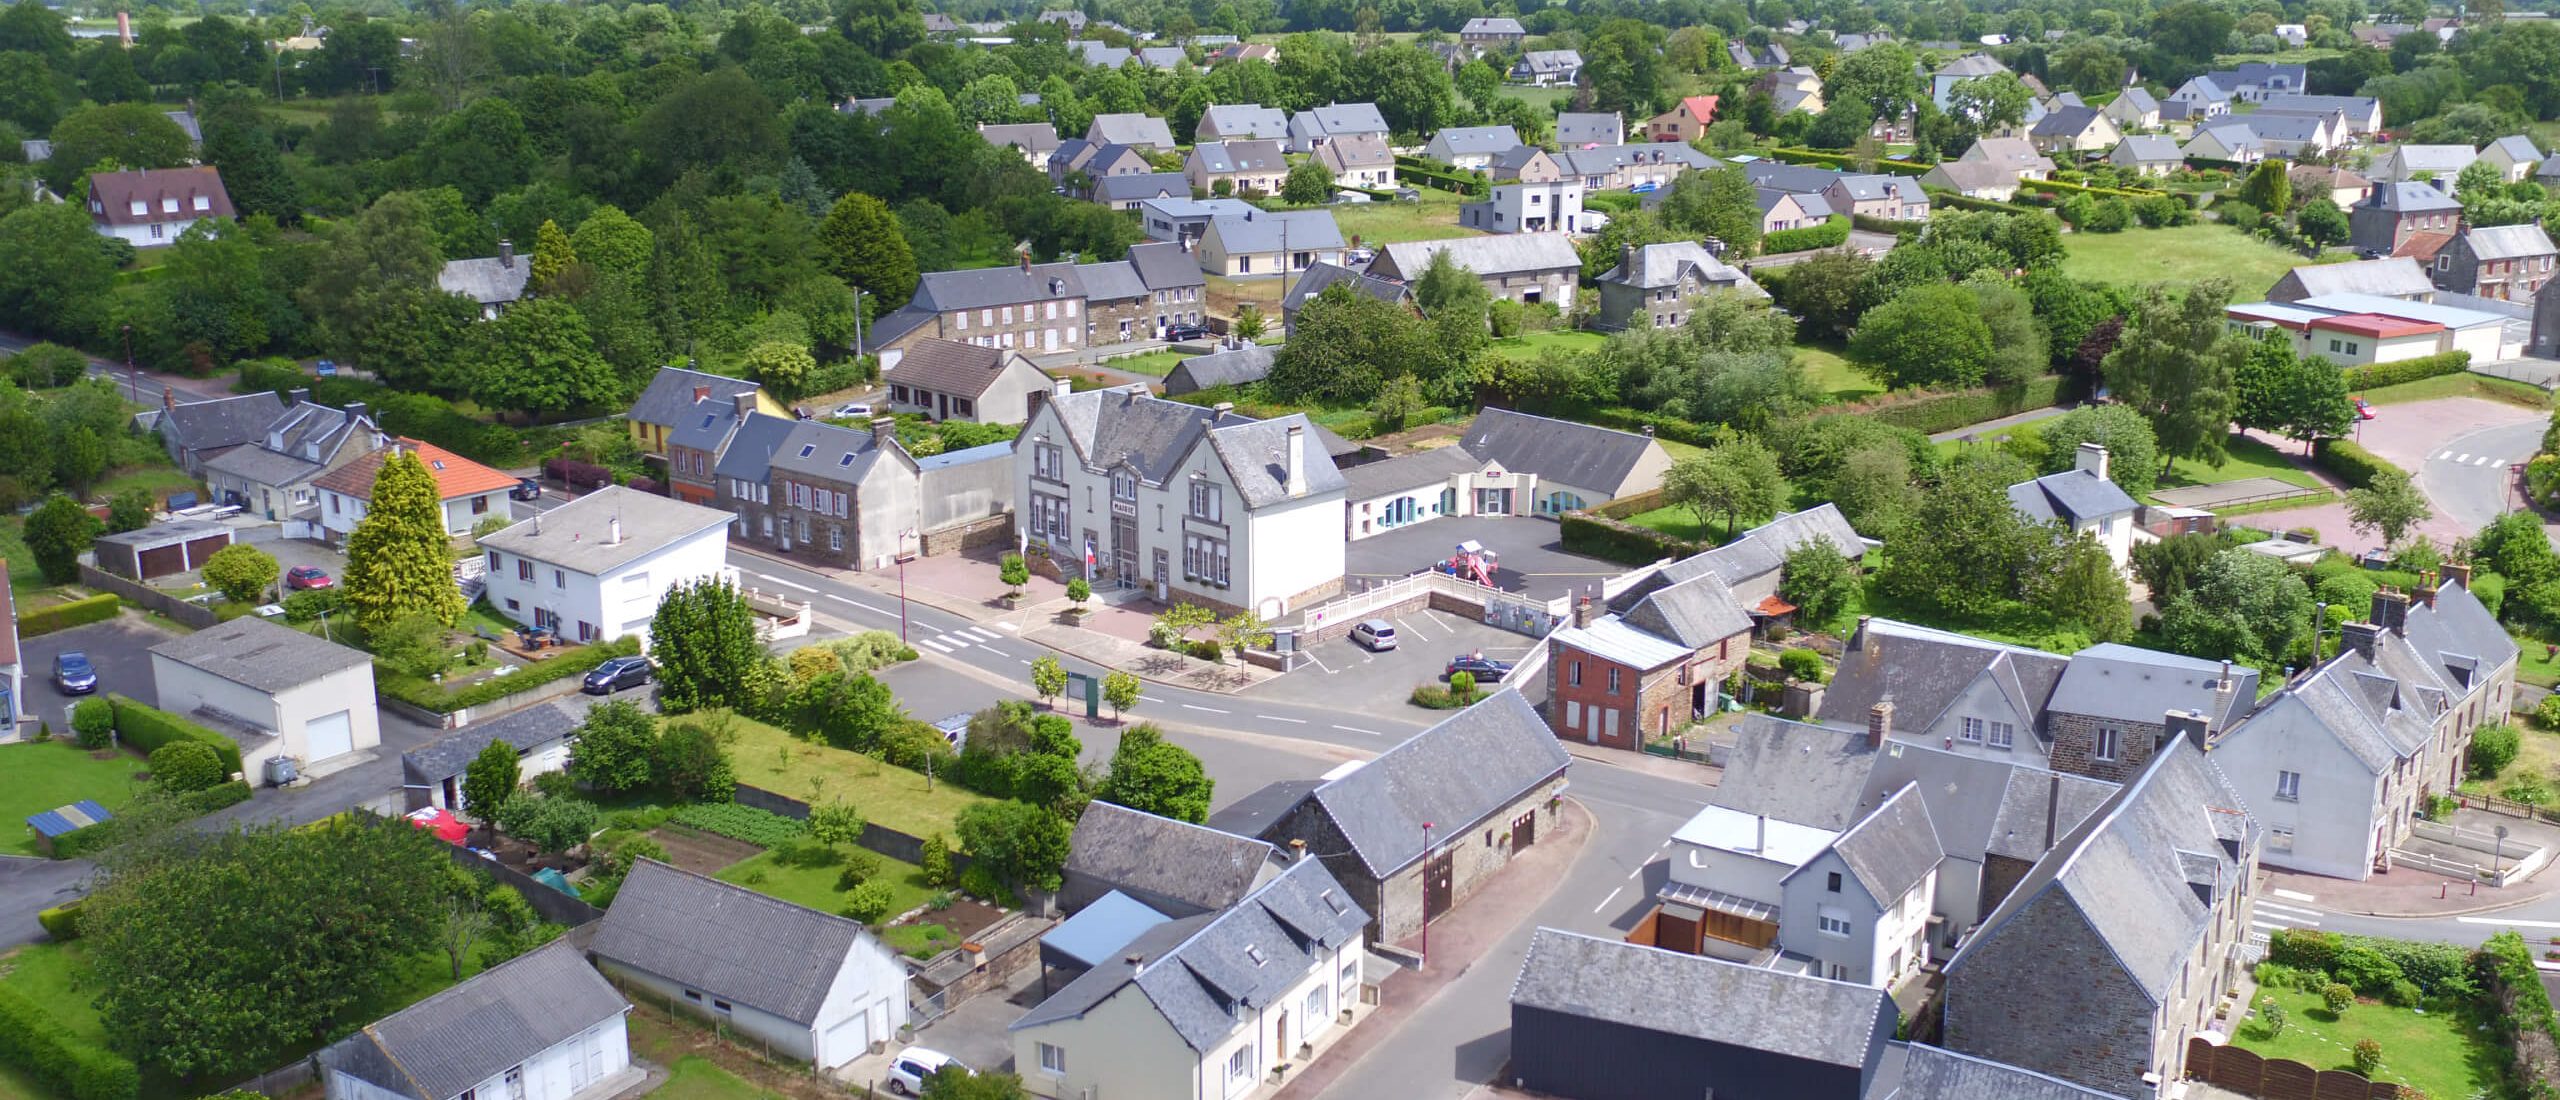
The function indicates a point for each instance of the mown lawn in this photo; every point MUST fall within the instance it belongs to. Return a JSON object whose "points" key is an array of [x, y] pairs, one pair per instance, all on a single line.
{"points": [[1545, 98], [1536, 343], [2459, 385], [2434, 1050], [38, 777], [693, 1077], [1834, 373], [1154, 364], [815, 887], [2247, 458], [895, 798], [1377, 223], [2140, 257]]}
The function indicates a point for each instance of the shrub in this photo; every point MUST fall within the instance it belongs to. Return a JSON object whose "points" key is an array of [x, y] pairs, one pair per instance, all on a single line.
{"points": [[64, 616], [2368, 1056], [1947, 410], [1803, 664], [148, 728], [937, 861], [61, 922], [808, 853], [2353, 464], [2272, 1014], [2546, 713], [2337, 996], [578, 475], [1435, 697], [868, 902], [2407, 370], [739, 822], [978, 882], [2493, 747], [303, 607], [1830, 234], [183, 766], [835, 823], [1206, 649], [2529, 789], [859, 867], [1599, 536], [38, 1045], [2302, 949], [93, 720], [871, 651], [2363, 968], [427, 695], [2274, 975], [2403, 994]]}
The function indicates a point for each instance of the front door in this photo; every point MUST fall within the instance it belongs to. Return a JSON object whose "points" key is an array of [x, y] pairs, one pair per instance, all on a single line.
{"points": [[1524, 832], [1124, 548], [1280, 1035], [1438, 883]]}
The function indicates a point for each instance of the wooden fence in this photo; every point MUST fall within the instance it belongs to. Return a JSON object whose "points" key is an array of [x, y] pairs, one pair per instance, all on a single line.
{"points": [[2248, 1073]]}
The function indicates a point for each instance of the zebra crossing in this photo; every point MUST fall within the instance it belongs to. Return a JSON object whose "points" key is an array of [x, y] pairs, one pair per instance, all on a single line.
{"points": [[2267, 918], [2465, 459], [963, 638]]}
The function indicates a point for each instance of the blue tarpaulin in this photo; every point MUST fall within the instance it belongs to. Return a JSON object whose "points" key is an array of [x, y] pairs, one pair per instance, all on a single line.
{"points": [[63, 819]]}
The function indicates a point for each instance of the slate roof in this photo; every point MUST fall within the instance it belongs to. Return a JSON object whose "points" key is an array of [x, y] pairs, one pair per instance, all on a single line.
{"points": [[1130, 129], [1153, 435], [1662, 265], [2110, 680], [1321, 275], [750, 452], [727, 941], [578, 535], [2517, 147], [1924, 671], [1248, 120], [708, 426], [1796, 178], [832, 453], [1813, 204], [1763, 549], [2509, 242], [1978, 175], [1158, 858], [2063, 122], [1491, 25], [1163, 57], [949, 366], [2072, 496], [1231, 367], [1466, 140], [2355, 107], [986, 287], [1140, 186], [2456, 629], [1163, 265], [2151, 148], [1891, 849], [1102, 55], [1198, 972], [1796, 772], [1580, 455], [1402, 473], [2444, 160], [1250, 815], [305, 425], [2285, 127], [2205, 88], [1454, 774], [1931, 1073], [1337, 119], [2128, 872], [260, 655], [671, 394], [2394, 277], [1697, 997], [1551, 61], [1604, 159], [1226, 157], [1973, 65], [2410, 198], [2036, 809], [474, 1031], [523, 730], [2140, 99], [1503, 254], [222, 422], [1307, 230], [488, 280], [1697, 613], [1352, 151]]}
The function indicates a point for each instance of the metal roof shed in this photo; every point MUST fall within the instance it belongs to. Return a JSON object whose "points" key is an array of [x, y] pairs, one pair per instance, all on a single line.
{"points": [[1092, 937]]}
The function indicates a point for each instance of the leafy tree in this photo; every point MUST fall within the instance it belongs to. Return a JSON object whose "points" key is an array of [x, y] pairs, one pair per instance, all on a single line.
{"points": [[704, 640], [1309, 183], [281, 933], [538, 357], [45, 365], [134, 135], [1818, 580], [2269, 187], [1929, 335], [936, 863], [1048, 677], [1827, 291], [2169, 567], [2190, 32], [2175, 365], [1014, 572], [613, 747], [1736, 479], [956, 1083], [2241, 606], [2514, 546], [1873, 488], [1120, 689], [553, 824], [372, 295], [859, 242], [1249, 323], [1022, 845], [1347, 348], [1151, 774], [553, 257], [490, 780], [2133, 458], [784, 367], [848, 711], [80, 458], [691, 763], [241, 572], [1622, 67], [1963, 546], [398, 561], [2388, 506], [60, 278], [2018, 349], [2304, 397], [459, 926], [129, 510], [2079, 583], [1991, 102], [1721, 204], [2322, 222], [57, 531]]}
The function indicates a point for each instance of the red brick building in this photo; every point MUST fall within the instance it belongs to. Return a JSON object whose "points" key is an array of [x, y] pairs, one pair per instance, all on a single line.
{"points": [[1616, 679]]}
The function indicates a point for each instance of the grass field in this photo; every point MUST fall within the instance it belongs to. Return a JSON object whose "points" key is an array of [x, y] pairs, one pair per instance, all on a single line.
{"points": [[1832, 371], [2140, 257], [2460, 385], [815, 887], [1377, 223], [38, 777], [1531, 345], [1154, 364], [2437, 1050], [2247, 458], [1544, 98], [896, 798]]}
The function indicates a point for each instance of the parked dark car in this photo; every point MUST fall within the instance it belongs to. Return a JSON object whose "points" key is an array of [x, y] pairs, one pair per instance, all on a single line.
{"points": [[617, 674], [1485, 669], [1189, 332], [304, 578], [73, 673], [527, 488]]}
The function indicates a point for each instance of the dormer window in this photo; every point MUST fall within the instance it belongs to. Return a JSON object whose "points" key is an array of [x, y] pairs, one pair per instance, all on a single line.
{"points": [[311, 452], [1124, 485], [169, 205], [141, 208], [275, 441], [203, 203]]}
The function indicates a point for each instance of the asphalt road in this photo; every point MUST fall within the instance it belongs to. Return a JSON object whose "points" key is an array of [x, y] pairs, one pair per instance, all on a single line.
{"points": [[142, 388], [2467, 477]]}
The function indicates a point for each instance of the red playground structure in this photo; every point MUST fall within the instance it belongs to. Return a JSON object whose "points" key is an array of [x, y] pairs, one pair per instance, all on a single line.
{"points": [[1472, 562]]}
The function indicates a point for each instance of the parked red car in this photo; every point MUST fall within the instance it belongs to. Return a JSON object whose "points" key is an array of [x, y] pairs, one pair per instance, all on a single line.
{"points": [[303, 578]]}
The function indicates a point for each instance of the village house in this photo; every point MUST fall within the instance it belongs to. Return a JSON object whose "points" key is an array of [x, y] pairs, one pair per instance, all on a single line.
{"points": [[671, 397], [1323, 275], [1241, 167], [1270, 243], [1242, 122], [1972, 179], [1314, 126], [2441, 164], [1892, 198], [1173, 867], [2393, 213], [2226, 140], [1943, 82], [2198, 100], [1081, 166], [1619, 679], [2134, 109], [271, 476], [2149, 154], [2514, 156], [1527, 208], [694, 449], [1851, 904], [2014, 153], [153, 207], [1792, 89], [1036, 141], [2083, 501], [2360, 114], [594, 569], [2337, 185], [1652, 286], [195, 432], [2074, 130], [1470, 147], [2259, 81], [1547, 68], [949, 380], [1528, 268], [2508, 263], [541, 1026], [467, 493], [1184, 220], [1505, 464], [1027, 307], [1144, 131], [1133, 192], [1524, 164], [1590, 130], [491, 282], [2390, 277], [1745, 57], [1492, 34], [1783, 210], [1685, 122], [1360, 160], [1642, 168], [540, 735]]}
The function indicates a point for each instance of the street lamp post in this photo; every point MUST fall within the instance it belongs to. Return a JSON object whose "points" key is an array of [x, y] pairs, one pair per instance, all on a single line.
{"points": [[903, 555], [1426, 893]]}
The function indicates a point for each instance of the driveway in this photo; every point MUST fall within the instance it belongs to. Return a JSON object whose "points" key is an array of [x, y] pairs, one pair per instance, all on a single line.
{"points": [[29, 886], [1534, 560], [120, 649], [1341, 673]]}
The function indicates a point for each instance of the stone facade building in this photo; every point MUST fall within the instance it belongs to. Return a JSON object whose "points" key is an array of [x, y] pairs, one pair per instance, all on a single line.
{"points": [[1618, 679], [1520, 267]]}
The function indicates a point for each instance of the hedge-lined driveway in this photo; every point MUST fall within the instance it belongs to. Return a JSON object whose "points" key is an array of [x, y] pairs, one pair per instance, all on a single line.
{"points": [[119, 648]]}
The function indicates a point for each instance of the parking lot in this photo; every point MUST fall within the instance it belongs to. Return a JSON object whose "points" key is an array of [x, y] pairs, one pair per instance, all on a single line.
{"points": [[1533, 560], [1343, 674], [120, 650]]}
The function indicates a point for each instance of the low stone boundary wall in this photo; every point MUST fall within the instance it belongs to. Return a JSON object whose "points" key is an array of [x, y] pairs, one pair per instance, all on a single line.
{"points": [[195, 616]]}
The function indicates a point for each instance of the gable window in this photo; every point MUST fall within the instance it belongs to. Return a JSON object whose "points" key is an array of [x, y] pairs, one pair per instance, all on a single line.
{"points": [[1239, 1068], [1053, 1060], [1049, 461], [1207, 502], [1573, 674], [1613, 681], [1969, 729], [2108, 739], [524, 571], [2003, 735], [1124, 485], [2289, 786]]}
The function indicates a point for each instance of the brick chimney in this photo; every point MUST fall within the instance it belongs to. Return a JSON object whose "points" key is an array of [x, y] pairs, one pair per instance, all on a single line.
{"points": [[2425, 593], [2390, 609], [1879, 723], [883, 430], [701, 394], [168, 398], [1627, 260], [1582, 611], [2192, 725], [2457, 574], [2362, 637], [506, 253]]}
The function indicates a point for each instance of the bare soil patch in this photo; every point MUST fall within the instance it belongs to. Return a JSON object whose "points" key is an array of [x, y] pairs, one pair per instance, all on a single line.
{"points": [[700, 853]]}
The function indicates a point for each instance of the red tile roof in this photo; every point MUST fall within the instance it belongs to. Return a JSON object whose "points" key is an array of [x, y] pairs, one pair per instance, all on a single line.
{"points": [[112, 195], [1700, 107], [2376, 325], [456, 476], [2423, 247]]}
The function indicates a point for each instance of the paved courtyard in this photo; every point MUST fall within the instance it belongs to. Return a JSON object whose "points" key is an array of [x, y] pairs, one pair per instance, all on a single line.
{"points": [[1343, 674], [1534, 561]]}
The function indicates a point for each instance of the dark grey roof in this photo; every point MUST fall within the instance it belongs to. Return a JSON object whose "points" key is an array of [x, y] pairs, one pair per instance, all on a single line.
{"points": [[1306, 230], [1371, 480], [2456, 628], [952, 367], [1101, 54], [1663, 265], [2508, 242], [2390, 276], [1924, 671], [1139, 186], [1795, 772], [1697, 613], [1321, 275], [2284, 127], [258, 654], [1240, 155], [2110, 680], [1163, 265], [2036, 809], [1562, 451], [524, 731], [1131, 129], [1340, 118], [1231, 367], [1250, 815], [488, 280], [1763, 550], [2151, 148], [1036, 137], [164, 534], [1930, 1073], [1551, 61], [910, 317], [1110, 281], [1256, 455], [1152, 435], [2072, 496], [750, 453], [708, 425], [1465, 140], [672, 393], [2140, 99], [1198, 972], [284, 453], [1163, 57], [1490, 25], [1893, 848], [2410, 198], [823, 451], [474, 1031], [728, 941], [1489, 257], [1453, 775], [1008, 285], [1693, 996], [1157, 859], [2065, 122], [221, 422], [1245, 120]]}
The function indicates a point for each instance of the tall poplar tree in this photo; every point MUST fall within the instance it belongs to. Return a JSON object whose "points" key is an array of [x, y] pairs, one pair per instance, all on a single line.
{"points": [[399, 560]]}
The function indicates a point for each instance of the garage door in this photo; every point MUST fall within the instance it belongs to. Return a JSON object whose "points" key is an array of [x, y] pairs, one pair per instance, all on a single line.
{"points": [[847, 1039], [327, 736]]}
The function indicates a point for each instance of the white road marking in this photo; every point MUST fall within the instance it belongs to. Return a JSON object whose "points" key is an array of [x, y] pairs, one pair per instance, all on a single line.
{"points": [[1277, 718], [1011, 627], [955, 641], [858, 603], [2269, 927], [1409, 626], [988, 635], [2287, 909], [2462, 458], [1024, 660], [929, 644], [1149, 699], [784, 583], [1319, 661], [1212, 710], [1604, 902], [2444, 454], [994, 650], [2510, 923], [1356, 729], [2484, 460], [2292, 895]]}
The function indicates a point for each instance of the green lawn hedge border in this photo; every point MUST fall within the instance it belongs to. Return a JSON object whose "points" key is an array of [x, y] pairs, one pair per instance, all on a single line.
{"points": [[2407, 370], [426, 694], [1929, 412], [1830, 234], [32, 1041], [147, 728], [2059, 187], [61, 922], [1847, 163], [1940, 197], [1616, 540], [2351, 462], [64, 616]]}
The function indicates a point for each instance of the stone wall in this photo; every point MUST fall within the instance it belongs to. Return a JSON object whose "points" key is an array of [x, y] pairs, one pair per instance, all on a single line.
{"points": [[991, 531], [2044, 993], [2075, 746]]}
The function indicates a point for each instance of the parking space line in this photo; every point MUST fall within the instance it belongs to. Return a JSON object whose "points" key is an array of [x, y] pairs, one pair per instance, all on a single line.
{"points": [[1277, 718], [1444, 624], [1403, 625], [1311, 655], [1604, 902], [1356, 729], [1212, 710]]}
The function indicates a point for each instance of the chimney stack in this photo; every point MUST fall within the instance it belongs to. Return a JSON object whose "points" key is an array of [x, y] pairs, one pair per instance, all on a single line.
{"points": [[613, 531], [2390, 609], [506, 253], [1582, 612], [2362, 637], [2192, 725], [298, 395], [1025, 257], [883, 430], [2426, 591], [1222, 408], [1297, 850], [1626, 260], [2093, 458], [2457, 574], [168, 398], [1879, 723], [1297, 460], [356, 410], [2052, 809], [124, 28]]}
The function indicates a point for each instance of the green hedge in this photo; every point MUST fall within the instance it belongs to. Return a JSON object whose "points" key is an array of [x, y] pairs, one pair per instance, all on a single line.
{"points": [[1830, 234], [107, 834], [148, 728], [2407, 370], [428, 695], [1939, 196], [2059, 187], [1847, 163], [1873, 224], [62, 922], [1928, 412], [64, 616], [2508, 963], [1618, 541], [1441, 176], [2351, 462], [36, 1044], [1636, 420]]}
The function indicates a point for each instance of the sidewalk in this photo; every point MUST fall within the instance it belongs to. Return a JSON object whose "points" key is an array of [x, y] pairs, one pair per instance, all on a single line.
{"points": [[1659, 767], [2405, 892], [1458, 940]]}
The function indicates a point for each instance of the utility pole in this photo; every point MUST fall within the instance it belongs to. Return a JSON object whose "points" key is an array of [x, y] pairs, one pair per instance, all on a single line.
{"points": [[857, 322]]}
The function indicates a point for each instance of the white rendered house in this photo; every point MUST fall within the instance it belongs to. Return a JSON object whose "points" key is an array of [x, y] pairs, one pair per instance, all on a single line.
{"points": [[275, 690], [467, 492], [595, 568], [542, 1026]]}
